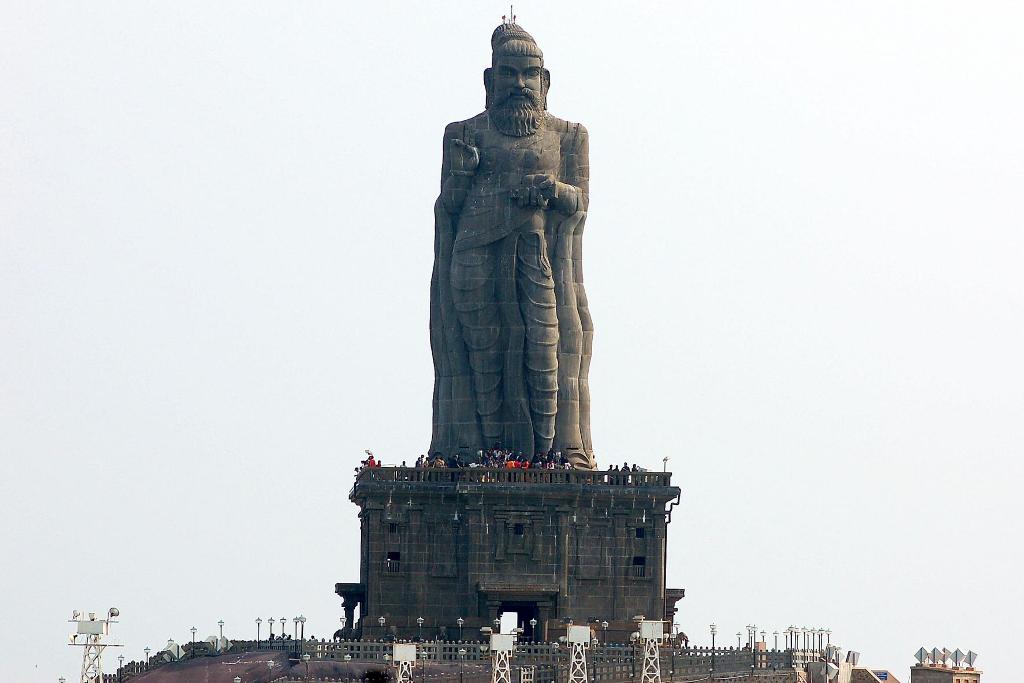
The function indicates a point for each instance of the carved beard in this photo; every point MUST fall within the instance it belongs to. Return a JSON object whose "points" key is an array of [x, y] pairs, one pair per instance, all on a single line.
{"points": [[518, 117]]}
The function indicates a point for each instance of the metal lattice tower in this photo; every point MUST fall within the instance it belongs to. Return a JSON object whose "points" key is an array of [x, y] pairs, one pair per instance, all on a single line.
{"points": [[579, 640], [651, 634], [88, 635], [501, 670], [404, 656], [92, 664], [578, 663], [527, 674], [652, 663], [404, 672]]}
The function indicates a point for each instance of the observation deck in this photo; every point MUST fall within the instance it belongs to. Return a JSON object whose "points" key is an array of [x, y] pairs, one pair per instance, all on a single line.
{"points": [[375, 480]]}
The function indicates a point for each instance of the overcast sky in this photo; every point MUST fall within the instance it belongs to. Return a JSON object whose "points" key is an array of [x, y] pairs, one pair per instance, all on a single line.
{"points": [[803, 256]]}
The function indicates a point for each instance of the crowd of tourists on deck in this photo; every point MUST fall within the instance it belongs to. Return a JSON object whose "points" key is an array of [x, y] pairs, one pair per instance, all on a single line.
{"points": [[499, 458]]}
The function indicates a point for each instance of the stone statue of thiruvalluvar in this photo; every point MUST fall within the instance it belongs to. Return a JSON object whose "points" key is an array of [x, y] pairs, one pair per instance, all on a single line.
{"points": [[510, 327]]}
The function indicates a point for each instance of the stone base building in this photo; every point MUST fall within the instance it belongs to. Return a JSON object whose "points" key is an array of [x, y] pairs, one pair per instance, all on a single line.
{"points": [[456, 548]]}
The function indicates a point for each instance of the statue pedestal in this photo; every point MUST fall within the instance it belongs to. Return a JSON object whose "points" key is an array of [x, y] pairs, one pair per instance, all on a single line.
{"points": [[472, 543]]}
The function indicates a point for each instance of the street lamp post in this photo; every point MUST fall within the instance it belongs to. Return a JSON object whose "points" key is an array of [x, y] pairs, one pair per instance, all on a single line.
{"points": [[776, 634], [146, 650], [221, 625], [270, 624], [604, 633], [419, 626], [533, 629], [751, 637], [258, 622], [460, 621], [120, 667], [497, 624], [462, 662], [302, 633], [738, 636], [714, 631], [305, 661], [193, 653]]}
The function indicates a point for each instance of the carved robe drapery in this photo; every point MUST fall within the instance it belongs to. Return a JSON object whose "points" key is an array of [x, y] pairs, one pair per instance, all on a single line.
{"points": [[456, 401]]}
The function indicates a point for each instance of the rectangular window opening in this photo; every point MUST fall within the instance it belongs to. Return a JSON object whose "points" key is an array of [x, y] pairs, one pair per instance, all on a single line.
{"points": [[641, 532], [392, 528], [639, 566], [517, 529], [393, 562]]}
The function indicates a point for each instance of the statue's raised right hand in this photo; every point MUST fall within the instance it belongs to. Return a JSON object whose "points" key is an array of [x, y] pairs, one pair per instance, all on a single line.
{"points": [[465, 157]]}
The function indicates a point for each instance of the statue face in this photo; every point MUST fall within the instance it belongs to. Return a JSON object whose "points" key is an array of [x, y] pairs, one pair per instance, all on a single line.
{"points": [[510, 74]]}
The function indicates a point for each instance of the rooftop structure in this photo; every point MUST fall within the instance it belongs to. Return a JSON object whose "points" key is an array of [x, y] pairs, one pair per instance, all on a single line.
{"points": [[941, 673]]}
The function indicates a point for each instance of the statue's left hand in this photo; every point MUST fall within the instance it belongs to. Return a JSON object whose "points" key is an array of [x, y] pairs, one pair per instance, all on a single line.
{"points": [[538, 190]]}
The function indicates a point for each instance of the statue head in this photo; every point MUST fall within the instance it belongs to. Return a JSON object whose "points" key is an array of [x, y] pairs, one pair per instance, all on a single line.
{"points": [[517, 82]]}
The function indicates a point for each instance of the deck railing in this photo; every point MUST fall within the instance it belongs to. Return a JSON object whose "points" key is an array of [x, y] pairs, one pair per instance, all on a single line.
{"points": [[608, 662], [494, 475]]}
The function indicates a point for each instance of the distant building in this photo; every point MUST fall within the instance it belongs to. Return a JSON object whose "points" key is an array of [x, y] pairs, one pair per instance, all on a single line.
{"points": [[939, 673], [862, 675]]}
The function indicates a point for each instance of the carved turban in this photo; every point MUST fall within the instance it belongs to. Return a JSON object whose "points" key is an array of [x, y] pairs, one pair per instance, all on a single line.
{"points": [[511, 39]]}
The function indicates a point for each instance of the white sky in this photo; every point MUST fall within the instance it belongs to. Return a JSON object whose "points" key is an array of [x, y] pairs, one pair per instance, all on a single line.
{"points": [[803, 259]]}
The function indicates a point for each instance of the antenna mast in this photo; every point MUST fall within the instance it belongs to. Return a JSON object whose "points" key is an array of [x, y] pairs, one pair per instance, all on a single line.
{"points": [[89, 634]]}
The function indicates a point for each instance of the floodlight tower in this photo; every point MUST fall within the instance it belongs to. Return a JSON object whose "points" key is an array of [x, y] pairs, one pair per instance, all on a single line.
{"points": [[502, 645], [404, 657], [651, 633], [578, 638], [89, 634]]}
